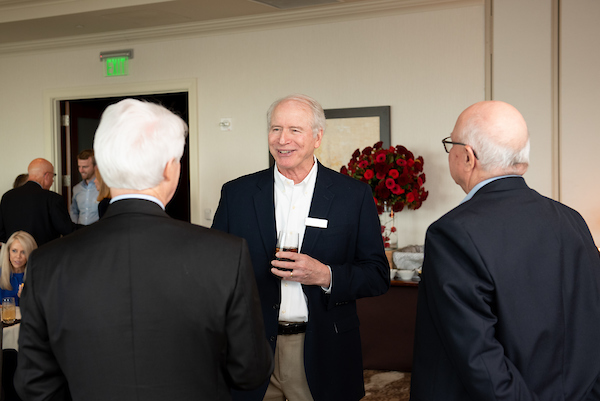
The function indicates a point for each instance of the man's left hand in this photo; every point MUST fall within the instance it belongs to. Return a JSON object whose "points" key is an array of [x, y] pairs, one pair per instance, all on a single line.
{"points": [[305, 269]]}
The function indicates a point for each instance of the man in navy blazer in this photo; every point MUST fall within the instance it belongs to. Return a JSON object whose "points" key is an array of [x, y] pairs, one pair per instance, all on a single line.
{"points": [[33, 208], [310, 309], [509, 302]]}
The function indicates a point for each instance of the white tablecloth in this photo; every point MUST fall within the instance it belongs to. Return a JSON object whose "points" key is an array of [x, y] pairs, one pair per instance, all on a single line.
{"points": [[10, 335]]}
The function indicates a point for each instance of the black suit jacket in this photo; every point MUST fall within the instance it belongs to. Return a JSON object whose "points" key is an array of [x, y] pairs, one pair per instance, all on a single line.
{"points": [[509, 302], [140, 306], [40, 212], [351, 244]]}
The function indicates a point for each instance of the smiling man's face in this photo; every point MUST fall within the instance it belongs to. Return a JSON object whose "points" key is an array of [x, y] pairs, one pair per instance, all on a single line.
{"points": [[291, 140]]}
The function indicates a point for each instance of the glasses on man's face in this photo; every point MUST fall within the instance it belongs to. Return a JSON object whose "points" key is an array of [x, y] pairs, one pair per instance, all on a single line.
{"points": [[53, 174], [446, 141]]}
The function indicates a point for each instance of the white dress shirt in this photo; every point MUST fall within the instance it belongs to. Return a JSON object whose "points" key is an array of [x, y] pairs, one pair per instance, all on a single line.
{"points": [[292, 204]]}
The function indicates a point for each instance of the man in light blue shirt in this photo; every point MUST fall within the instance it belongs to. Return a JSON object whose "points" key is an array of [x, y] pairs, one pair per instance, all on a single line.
{"points": [[84, 206]]}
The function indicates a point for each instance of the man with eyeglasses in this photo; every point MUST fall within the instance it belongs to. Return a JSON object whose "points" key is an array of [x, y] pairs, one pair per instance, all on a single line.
{"points": [[509, 305], [34, 208]]}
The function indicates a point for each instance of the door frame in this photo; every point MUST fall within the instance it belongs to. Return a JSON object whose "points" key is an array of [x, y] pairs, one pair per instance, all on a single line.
{"points": [[52, 123]]}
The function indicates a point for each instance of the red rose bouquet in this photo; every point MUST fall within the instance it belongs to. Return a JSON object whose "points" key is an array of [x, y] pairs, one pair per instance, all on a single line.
{"points": [[395, 176]]}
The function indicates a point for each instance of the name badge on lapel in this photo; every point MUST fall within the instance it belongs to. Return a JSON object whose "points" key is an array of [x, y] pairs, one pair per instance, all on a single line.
{"points": [[314, 222]]}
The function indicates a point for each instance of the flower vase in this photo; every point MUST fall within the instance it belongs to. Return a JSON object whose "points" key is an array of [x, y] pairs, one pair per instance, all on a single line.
{"points": [[388, 228]]}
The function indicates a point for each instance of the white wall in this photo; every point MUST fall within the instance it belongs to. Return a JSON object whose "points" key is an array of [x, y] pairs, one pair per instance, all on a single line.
{"points": [[428, 66]]}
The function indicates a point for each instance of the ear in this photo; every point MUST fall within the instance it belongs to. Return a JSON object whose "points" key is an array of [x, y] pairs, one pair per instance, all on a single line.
{"points": [[319, 138], [470, 159], [172, 170]]}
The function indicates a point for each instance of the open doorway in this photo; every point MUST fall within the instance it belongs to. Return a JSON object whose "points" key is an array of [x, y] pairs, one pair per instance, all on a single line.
{"points": [[80, 119]]}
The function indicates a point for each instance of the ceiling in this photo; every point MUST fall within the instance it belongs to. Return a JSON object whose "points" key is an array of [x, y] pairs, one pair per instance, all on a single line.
{"points": [[32, 20], [40, 25]]}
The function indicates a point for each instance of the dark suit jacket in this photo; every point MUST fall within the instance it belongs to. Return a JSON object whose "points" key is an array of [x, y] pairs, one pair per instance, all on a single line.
{"points": [[140, 306], [40, 212], [351, 244], [509, 302]]}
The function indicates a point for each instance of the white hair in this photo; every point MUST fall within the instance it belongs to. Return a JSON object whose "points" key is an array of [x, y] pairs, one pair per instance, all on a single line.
{"points": [[134, 142], [318, 115], [492, 151]]}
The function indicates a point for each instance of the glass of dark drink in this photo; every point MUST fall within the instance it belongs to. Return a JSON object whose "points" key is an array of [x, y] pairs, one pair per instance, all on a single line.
{"points": [[287, 241]]}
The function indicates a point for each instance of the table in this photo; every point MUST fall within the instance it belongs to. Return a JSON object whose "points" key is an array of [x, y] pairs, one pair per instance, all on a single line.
{"points": [[10, 334], [387, 327]]}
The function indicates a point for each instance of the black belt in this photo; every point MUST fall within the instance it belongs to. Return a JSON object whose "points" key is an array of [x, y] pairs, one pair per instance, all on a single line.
{"points": [[291, 328]]}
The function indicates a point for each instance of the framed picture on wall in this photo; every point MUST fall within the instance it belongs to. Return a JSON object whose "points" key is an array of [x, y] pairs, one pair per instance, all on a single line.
{"points": [[351, 129]]}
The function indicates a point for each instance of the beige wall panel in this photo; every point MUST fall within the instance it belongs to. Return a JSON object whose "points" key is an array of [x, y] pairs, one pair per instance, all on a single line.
{"points": [[522, 76], [579, 109]]}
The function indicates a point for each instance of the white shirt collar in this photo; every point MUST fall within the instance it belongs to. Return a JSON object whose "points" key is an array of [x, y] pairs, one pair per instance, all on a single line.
{"points": [[282, 181], [138, 196]]}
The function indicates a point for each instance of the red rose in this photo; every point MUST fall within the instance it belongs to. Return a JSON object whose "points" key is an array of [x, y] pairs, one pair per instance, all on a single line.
{"points": [[393, 173], [403, 180], [397, 207], [382, 192], [401, 162], [410, 197], [397, 190], [411, 162], [380, 157], [401, 150], [382, 168], [363, 164], [369, 174], [418, 164]]}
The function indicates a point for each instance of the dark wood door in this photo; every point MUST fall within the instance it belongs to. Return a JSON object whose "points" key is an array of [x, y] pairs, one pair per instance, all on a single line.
{"points": [[83, 120]]}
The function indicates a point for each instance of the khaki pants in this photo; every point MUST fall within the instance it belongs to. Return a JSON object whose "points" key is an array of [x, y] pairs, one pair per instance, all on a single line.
{"points": [[288, 381]]}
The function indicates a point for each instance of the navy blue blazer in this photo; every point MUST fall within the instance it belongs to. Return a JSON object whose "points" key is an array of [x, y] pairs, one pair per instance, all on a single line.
{"points": [[509, 302], [351, 245]]}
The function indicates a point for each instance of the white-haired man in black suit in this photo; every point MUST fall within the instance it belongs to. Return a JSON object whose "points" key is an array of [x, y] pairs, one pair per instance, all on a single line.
{"points": [[140, 306]]}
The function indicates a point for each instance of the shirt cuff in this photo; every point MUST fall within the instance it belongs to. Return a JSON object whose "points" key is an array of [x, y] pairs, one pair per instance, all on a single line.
{"points": [[328, 290]]}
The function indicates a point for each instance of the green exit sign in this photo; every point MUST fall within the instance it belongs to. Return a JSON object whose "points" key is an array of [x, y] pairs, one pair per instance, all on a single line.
{"points": [[117, 66]]}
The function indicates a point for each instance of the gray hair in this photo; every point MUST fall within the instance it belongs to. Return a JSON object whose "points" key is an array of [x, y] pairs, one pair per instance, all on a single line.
{"points": [[318, 115], [134, 142], [494, 153]]}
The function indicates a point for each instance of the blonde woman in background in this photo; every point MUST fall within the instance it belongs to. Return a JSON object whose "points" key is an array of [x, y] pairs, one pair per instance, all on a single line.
{"points": [[103, 193], [14, 256]]}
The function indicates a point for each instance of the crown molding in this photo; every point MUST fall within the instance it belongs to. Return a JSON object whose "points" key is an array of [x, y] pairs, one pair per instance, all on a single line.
{"points": [[325, 14]]}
